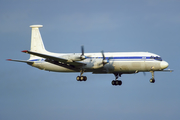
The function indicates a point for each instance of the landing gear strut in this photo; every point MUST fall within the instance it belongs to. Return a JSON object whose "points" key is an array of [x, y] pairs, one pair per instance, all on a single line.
{"points": [[152, 80], [116, 82], [81, 78]]}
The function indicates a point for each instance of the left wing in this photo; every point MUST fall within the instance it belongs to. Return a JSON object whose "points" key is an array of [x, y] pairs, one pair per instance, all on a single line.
{"points": [[50, 58]]}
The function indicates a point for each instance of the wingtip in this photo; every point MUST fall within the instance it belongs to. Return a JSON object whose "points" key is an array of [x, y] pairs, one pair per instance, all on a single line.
{"points": [[9, 59], [25, 51]]}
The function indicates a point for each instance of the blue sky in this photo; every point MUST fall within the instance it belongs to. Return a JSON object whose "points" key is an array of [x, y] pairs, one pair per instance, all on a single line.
{"points": [[109, 25]]}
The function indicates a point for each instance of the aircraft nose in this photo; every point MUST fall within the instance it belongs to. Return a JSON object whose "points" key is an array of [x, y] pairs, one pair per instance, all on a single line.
{"points": [[164, 64]]}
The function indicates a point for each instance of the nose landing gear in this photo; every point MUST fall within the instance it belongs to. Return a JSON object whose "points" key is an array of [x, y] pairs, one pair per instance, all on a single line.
{"points": [[152, 80]]}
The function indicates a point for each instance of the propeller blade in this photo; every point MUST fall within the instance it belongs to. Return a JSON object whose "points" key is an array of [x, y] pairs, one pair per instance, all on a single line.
{"points": [[104, 61], [82, 57], [82, 49], [103, 55]]}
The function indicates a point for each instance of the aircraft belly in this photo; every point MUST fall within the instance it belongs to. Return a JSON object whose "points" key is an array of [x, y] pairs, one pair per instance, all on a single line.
{"points": [[129, 66], [51, 67]]}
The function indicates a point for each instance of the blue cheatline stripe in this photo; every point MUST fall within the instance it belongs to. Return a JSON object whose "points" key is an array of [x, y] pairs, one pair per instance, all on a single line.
{"points": [[129, 58], [122, 57], [115, 58]]}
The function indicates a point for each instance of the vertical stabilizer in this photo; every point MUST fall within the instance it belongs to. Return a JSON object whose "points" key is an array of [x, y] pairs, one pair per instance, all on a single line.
{"points": [[36, 41]]}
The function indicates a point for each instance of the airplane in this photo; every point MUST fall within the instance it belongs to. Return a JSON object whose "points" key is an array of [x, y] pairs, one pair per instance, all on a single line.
{"points": [[116, 63]]}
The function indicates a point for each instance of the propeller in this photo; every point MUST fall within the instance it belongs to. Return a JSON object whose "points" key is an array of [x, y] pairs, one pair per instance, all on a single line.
{"points": [[82, 57], [103, 55], [104, 61], [82, 49]]}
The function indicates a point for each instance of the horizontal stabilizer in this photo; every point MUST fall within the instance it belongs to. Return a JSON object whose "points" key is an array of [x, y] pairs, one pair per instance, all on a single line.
{"points": [[25, 61]]}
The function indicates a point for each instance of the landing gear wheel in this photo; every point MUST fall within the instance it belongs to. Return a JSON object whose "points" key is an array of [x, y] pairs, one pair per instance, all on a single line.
{"points": [[152, 80], [82, 78], [119, 82], [78, 78], [113, 82]]}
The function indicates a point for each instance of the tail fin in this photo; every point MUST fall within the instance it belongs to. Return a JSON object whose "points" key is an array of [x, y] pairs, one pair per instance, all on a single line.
{"points": [[36, 41]]}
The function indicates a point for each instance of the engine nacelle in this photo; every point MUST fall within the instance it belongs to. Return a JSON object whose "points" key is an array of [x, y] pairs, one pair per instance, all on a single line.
{"points": [[74, 57], [94, 64]]}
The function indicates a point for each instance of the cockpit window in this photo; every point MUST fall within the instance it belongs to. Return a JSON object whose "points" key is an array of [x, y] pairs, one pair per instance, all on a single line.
{"points": [[156, 58]]}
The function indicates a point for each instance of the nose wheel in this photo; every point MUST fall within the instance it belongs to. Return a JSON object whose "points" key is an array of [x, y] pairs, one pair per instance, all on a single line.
{"points": [[152, 80]]}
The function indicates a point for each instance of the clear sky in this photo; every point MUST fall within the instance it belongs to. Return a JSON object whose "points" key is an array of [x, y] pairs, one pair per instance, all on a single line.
{"points": [[27, 93]]}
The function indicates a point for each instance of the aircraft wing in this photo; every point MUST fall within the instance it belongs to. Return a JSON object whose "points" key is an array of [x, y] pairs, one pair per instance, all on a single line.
{"points": [[50, 58]]}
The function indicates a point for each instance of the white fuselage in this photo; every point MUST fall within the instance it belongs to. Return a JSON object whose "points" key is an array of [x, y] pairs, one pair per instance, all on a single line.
{"points": [[118, 62]]}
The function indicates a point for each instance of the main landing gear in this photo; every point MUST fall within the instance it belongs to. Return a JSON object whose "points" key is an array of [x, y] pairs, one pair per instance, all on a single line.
{"points": [[81, 78], [152, 80], [116, 82]]}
